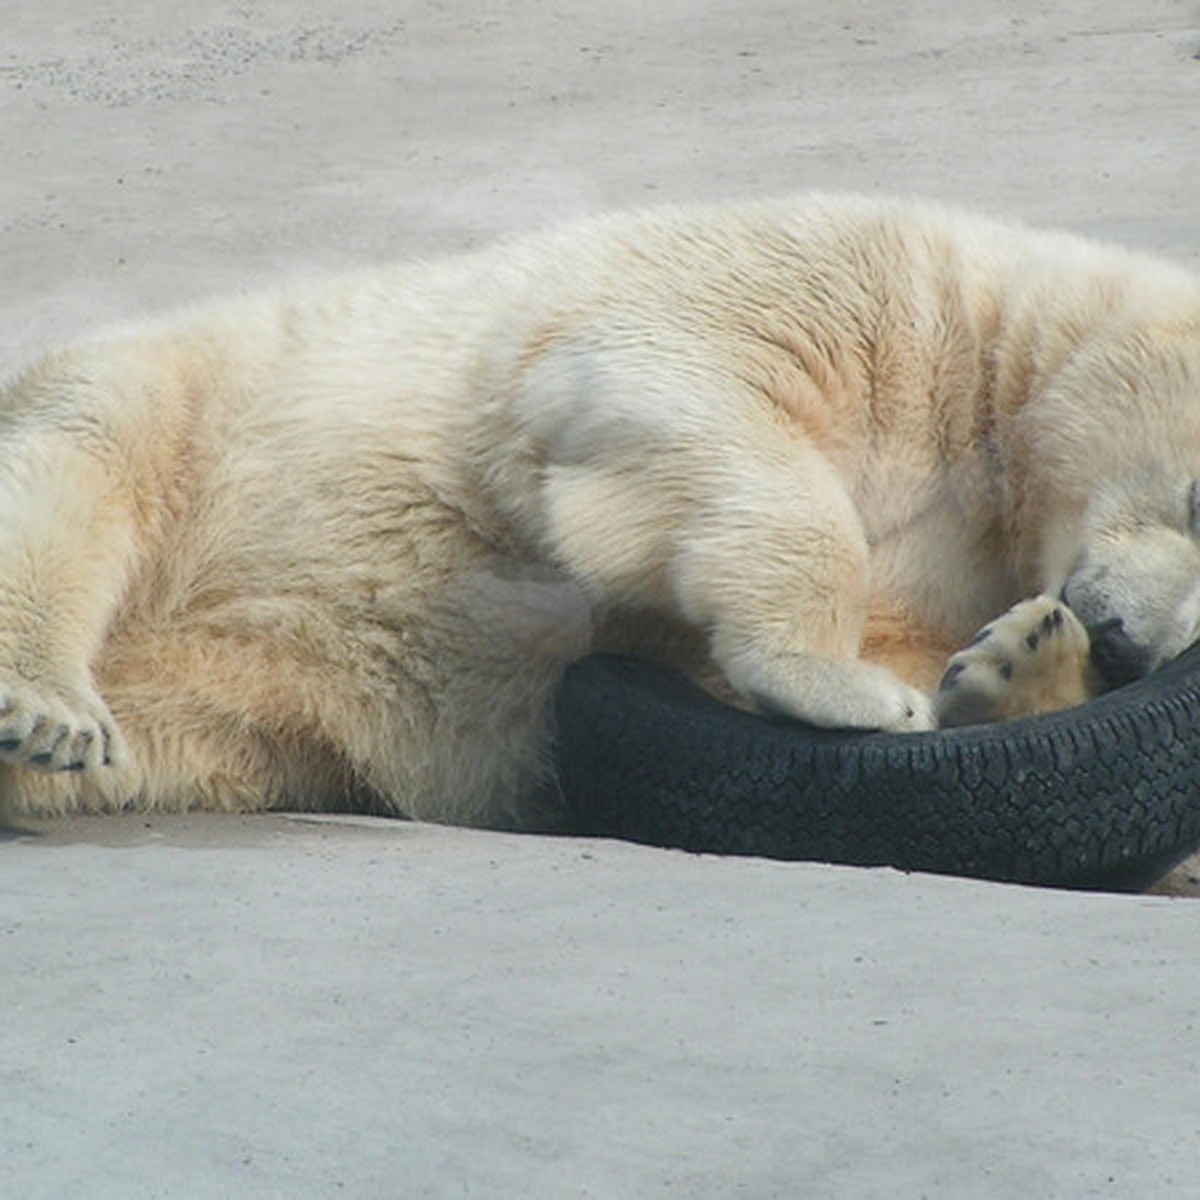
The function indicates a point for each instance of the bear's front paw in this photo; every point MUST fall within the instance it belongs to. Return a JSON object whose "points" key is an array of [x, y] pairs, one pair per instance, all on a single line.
{"points": [[887, 704], [1032, 659], [50, 729]]}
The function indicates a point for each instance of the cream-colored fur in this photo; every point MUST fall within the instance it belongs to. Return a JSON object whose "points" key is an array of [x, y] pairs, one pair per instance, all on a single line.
{"points": [[332, 547]]}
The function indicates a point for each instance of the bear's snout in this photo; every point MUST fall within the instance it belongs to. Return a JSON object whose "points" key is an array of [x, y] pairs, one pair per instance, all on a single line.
{"points": [[1117, 657]]}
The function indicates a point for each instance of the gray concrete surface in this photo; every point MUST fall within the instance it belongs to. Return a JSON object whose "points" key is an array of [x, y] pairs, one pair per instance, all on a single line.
{"points": [[224, 1006], [245, 1007]]}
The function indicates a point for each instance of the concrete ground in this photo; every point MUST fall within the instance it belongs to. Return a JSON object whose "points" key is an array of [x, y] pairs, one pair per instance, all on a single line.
{"points": [[229, 1006]]}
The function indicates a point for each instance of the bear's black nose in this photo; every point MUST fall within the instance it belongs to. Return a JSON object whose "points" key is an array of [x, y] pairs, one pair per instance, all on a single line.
{"points": [[1117, 657]]}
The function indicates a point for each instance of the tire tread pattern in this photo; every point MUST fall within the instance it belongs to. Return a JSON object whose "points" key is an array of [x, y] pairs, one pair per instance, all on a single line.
{"points": [[1107, 794]]}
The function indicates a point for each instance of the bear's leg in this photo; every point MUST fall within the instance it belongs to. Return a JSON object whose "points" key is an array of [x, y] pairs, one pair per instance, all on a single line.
{"points": [[87, 446], [739, 529], [210, 721], [774, 565], [435, 706]]}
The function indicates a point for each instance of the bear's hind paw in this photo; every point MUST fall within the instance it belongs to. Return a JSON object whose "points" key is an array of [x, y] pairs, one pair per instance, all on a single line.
{"points": [[46, 730]]}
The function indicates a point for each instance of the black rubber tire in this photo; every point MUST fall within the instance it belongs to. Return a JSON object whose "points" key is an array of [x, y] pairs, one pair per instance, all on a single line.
{"points": [[1103, 795]]}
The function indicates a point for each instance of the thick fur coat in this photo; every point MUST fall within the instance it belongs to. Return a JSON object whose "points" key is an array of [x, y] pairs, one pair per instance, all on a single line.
{"points": [[333, 547]]}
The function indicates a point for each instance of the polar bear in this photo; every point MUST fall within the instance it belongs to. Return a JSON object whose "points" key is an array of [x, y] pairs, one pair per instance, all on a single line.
{"points": [[332, 547]]}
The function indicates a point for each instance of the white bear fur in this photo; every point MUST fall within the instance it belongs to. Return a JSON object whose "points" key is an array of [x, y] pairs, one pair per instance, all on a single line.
{"points": [[332, 547]]}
